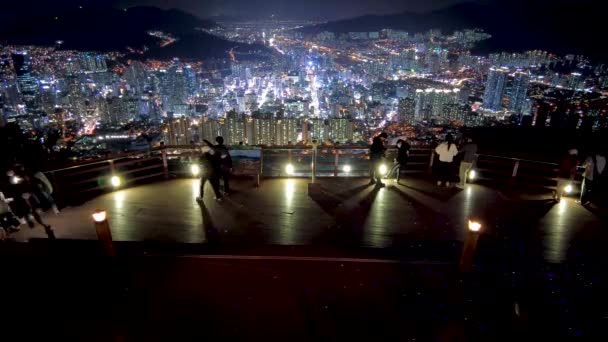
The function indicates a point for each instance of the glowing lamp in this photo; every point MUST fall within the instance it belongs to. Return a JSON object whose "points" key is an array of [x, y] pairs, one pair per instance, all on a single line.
{"points": [[289, 169], [115, 181], [99, 216], [195, 170], [474, 226]]}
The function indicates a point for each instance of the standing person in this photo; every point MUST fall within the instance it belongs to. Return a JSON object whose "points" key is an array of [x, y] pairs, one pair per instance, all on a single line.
{"points": [[567, 171], [225, 163], [210, 172], [376, 153], [403, 153], [44, 190], [26, 205], [468, 160], [594, 172], [446, 151]]}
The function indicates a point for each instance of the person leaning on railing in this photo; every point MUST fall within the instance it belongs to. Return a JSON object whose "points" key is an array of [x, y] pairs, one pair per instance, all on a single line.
{"points": [[446, 151], [469, 155], [376, 154], [567, 171]]}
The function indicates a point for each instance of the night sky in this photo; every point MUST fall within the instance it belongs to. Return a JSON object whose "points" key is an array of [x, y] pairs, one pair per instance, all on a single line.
{"points": [[288, 9]]}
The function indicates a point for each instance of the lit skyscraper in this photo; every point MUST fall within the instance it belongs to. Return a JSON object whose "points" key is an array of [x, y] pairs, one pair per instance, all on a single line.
{"points": [[287, 131], [495, 88], [23, 68], [519, 92], [340, 130]]}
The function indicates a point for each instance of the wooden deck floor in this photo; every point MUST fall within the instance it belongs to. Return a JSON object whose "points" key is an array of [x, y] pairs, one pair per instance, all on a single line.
{"points": [[348, 214]]}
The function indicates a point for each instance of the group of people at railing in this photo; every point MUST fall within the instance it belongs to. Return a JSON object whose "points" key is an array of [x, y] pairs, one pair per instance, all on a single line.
{"points": [[25, 193], [216, 166], [445, 151]]}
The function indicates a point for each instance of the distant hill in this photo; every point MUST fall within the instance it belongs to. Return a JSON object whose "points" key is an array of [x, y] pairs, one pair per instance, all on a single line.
{"points": [[515, 25], [110, 29]]}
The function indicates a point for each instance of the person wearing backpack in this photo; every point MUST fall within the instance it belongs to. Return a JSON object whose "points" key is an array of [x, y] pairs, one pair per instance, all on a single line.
{"points": [[593, 177]]}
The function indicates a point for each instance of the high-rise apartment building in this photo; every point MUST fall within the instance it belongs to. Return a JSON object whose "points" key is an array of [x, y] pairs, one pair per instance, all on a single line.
{"points": [[519, 92], [495, 88]]}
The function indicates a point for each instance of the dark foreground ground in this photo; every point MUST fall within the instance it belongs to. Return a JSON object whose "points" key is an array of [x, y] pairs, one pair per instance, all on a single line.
{"points": [[273, 263]]}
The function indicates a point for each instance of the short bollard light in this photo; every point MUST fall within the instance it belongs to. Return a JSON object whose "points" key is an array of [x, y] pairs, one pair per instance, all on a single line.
{"points": [[472, 175], [289, 169], [568, 189], [115, 181], [474, 226], [195, 170], [382, 169], [104, 235], [99, 216], [470, 246], [347, 168]]}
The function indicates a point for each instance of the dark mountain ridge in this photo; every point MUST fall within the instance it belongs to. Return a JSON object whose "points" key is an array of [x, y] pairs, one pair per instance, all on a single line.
{"points": [[109, 29], [559, 27]]}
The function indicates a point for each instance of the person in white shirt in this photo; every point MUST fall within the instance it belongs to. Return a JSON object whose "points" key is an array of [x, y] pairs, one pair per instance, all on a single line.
{"points": [[595, 166], [446, 151]]}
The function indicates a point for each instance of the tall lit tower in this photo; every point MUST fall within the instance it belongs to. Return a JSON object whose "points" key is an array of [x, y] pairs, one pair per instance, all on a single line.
{"points": [[519, 91], [23, 68], [495, 88]]}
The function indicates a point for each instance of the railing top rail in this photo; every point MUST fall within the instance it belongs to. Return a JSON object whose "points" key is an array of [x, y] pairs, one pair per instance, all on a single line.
{"points": [[518, 159], [119, 156], [113, 157]]}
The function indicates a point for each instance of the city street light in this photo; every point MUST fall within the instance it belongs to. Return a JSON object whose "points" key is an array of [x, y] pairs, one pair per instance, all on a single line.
{"points": [[289, 169]]}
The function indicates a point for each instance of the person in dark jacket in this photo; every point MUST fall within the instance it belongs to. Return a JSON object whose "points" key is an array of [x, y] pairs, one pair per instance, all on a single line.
{"points": [[376, 154], [403, 153], [567, 172], [225, 163], [210, 171], [26, 204]]}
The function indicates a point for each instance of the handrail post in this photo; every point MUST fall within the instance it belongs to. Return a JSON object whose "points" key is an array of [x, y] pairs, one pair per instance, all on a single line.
{"points": [[515, 168], [514, 174], [336, 161], [432, 158], [261, 169], [112, 168], [314, 162], [165, 163]]}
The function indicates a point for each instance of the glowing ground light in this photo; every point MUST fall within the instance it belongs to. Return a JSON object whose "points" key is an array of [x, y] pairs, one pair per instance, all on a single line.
{"points": [[382, 169], [474, 226], [195, 170], [347, 168], [289, 169], [568, 188], [472, 174], [99, 216], [115, 181]]}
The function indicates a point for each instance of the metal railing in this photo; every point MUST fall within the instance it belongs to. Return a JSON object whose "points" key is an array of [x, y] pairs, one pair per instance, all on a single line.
{"points": [[85, 180]]}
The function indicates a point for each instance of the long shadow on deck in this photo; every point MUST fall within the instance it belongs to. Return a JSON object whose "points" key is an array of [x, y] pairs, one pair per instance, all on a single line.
{"points": [[513, 238], [424, 187], [350, 218], [426, 242]]}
